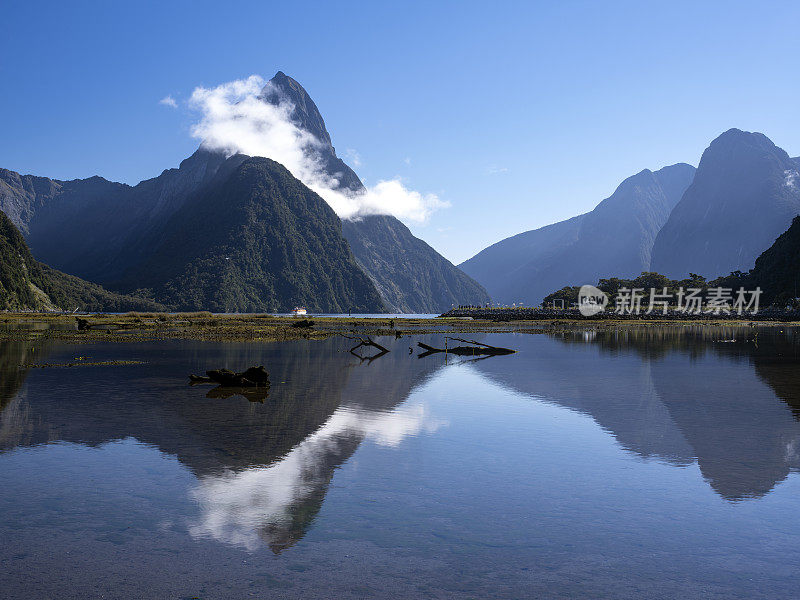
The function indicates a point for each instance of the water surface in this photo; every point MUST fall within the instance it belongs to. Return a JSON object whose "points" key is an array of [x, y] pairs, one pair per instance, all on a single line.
{"points": [[654, 462]]}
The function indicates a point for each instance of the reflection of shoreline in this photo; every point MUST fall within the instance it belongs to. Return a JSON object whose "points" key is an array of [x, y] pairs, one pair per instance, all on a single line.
{"points": [[15, 360], [676, 393], [276, 503]]}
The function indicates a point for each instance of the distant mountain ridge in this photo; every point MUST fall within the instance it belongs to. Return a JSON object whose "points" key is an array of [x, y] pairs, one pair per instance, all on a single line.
{"points": [[710, 221], [614, 239]]}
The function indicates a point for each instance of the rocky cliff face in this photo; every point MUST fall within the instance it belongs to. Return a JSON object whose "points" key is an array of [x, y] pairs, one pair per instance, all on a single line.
{"points": [[744, 195]]}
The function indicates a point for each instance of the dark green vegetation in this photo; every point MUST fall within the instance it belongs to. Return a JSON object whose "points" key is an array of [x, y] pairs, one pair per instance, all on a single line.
{"points": [[256, 239], [409, 274], [616, 237], [777, 270], [26, 284]]}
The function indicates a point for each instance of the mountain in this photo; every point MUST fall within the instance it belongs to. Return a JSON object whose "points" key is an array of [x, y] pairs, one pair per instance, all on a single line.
{"points": [[26, 284], [614, 239], [111, 233], [255, 239], [493, 265], [168, 236], [410, 275], [744, 195]]}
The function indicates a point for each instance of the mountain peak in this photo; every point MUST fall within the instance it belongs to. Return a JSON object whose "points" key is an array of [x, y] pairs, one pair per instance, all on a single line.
{"points": [[736, 147], [737, 137], [306, 115]]}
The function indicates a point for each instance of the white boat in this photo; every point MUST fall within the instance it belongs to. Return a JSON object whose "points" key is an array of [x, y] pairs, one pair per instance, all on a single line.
{"points": [[299, 310]]}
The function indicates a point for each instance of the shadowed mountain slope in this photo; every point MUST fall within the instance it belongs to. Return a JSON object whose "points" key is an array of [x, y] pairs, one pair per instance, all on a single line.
{"points": [[777, 270], [26, 284], [266, 242], [97, 229]]}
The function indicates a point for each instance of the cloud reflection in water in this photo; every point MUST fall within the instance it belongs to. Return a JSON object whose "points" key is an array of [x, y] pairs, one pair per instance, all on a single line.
{"points": [[276, 503]]}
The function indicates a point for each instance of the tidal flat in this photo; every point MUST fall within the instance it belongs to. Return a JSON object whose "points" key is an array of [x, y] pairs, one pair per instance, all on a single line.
{"points": [[601, 460], [137, 326]]}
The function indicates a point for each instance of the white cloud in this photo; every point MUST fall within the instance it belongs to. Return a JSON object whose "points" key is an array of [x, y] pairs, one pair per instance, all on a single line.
{"points": [[407, 160], [235, 120], [168, 101], [494, 170]]}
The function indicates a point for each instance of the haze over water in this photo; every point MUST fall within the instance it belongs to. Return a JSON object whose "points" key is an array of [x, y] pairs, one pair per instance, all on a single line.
{"points": [[640, 462]]}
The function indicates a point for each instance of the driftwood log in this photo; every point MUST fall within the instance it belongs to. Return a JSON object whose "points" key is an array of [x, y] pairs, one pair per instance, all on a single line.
{"points": [[476, 349], [364, 342], [252, 377]]}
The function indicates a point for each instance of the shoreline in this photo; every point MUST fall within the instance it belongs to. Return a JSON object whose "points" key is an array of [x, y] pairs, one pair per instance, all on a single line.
{"points": [[138, 327], [573, 314]]}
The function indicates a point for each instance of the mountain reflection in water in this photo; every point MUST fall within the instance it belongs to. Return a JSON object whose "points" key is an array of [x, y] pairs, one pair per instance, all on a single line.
{"points": [[726, 397], [262, 469], [675, 394]]}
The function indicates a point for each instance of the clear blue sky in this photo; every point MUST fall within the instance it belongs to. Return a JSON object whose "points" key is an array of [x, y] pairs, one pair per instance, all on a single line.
{"points": [[518, 114]]}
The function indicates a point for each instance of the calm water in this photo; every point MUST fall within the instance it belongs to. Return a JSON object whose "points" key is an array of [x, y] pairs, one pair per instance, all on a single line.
{"points": [[657, 463]]}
